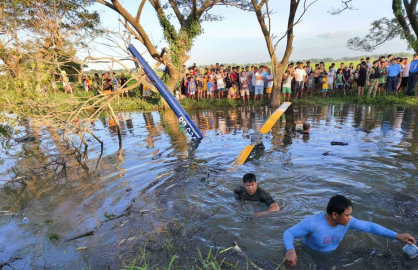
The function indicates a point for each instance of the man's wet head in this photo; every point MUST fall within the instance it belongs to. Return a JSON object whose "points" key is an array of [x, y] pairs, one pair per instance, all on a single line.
{"points": [[340, 209], [250, 183]]}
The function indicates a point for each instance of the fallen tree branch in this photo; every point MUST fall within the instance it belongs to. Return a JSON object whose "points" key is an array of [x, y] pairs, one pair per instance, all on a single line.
{"points": [[90, 233]]}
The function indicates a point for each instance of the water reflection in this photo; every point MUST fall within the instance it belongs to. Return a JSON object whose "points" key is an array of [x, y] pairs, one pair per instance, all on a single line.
{"points": [[379, 163]]}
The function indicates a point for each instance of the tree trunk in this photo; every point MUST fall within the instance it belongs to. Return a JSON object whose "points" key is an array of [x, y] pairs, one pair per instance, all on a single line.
{"points": [[15, 70], [277, 83]]}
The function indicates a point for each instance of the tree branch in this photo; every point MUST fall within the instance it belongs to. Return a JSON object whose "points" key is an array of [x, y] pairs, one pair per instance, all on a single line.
{"points": [[401, 19], [135, 24], [109, 5], [138, 14], [290, 26], [411, 11], [138, 37], [179, 16], [346, 6], [194, 8]]}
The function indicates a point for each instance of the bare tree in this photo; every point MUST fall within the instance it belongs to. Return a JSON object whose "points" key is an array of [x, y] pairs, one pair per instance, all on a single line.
{"points": [[263, 12], [189, 15], [36, 31]]}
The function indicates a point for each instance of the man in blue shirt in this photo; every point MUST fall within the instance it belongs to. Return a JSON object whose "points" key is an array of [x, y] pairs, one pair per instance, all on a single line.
{"points": [[324, 232], [413, 73], [394, 74]]}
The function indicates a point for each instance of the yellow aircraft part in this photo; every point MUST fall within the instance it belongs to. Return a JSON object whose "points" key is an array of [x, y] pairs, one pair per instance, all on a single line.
{"points": [[242, 157], [274, 117], [245, 153]]}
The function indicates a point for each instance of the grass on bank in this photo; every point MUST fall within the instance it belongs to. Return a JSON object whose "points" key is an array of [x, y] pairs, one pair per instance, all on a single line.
{"points": [[379, 100], [213, 259], [136, 102]]}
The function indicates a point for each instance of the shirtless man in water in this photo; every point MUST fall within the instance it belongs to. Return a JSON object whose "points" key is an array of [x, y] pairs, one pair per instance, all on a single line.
{"points": [[251, 192]]}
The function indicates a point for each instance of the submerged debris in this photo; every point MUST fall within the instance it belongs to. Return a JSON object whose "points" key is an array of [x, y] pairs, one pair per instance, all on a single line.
{"points": [[339, 143], [26, 138], [80, 236], [411, 251]]}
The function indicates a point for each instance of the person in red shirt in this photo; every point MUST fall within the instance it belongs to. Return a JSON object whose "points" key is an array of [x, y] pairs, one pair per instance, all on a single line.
{"points": [[234, 76]]}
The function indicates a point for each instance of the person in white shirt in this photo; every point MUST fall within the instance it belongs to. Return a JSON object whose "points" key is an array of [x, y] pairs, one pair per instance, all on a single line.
{"points": [[405, 74], [287, 85], [331, 75], [269, 81], [334, 69], [220, 83], [300, 78], [259, 83], [369, 65]]}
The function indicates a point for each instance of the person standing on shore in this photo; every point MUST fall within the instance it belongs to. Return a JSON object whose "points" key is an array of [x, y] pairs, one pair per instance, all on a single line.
{"points": [[287, 86], [405, 75], [259, 83], [244, 87], [331, 76], [269, 82], [374, 76], [308, 67], [301, 76], [394, 74], [383, 74], [412, 79], [362, 79], [324, 85]]}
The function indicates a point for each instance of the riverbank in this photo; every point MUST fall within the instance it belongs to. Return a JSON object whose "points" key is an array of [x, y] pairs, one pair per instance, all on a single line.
{"points": [[155, 103]]}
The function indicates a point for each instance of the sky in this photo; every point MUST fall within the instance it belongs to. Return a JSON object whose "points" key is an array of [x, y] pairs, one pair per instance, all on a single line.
{"points": [[238, 37]]}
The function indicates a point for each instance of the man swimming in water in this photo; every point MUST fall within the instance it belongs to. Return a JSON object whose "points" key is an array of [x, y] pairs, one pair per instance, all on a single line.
{"points": [[251, 192], [324, 231], [304, 128]]}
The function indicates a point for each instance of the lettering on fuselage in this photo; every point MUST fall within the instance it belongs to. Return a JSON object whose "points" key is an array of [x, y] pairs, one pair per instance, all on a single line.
{"points": [[186, 126]]}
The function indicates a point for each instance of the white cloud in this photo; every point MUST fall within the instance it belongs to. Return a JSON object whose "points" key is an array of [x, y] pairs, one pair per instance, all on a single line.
{"points": [[333, 34]]}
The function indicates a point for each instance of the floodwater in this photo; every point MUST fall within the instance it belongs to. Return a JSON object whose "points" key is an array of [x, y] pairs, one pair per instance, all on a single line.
{"points": [[178, 194]]}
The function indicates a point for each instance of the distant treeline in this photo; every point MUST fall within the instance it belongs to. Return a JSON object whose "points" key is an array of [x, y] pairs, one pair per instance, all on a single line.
{"points": [[325, 60]]}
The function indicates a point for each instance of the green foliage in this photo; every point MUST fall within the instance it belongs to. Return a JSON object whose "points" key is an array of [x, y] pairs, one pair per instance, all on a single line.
{"points": [[48, 221], [210, 261], [137, 103], [71, 68], [5, 130], [218, 103], [108, 216], [180, 41], [381, 30], [384, 29], [142, 262], [53, 237], [337, 100]]}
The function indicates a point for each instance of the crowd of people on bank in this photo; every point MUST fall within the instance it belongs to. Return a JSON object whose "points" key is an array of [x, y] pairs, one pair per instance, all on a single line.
{"points": [[392, 75], [388, 76]]}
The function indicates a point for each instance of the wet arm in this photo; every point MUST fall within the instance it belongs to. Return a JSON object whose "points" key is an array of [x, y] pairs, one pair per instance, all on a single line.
{"points": [[297, 231], [370, 227], [273, 208]]}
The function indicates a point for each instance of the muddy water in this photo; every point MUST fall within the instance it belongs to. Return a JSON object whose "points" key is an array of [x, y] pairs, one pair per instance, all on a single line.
{"points": [[179, 193]]}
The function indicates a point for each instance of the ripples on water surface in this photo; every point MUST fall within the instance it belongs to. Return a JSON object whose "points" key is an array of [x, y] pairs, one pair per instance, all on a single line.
{"points": [[377, 170]]}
